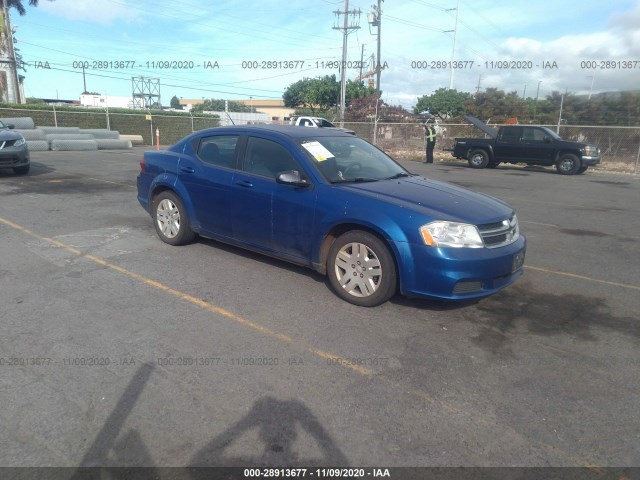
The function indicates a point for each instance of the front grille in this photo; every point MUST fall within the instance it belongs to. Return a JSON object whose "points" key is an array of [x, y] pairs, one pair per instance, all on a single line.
{"points": [[7, 162], [465, 287], [7, 143], [499, 234]]}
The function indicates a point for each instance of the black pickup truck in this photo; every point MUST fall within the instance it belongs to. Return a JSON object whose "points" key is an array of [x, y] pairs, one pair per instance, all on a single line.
{"points": [[528, 144]]}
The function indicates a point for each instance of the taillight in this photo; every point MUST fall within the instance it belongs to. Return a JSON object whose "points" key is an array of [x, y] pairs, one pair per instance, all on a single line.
{"points": [[142, 164]]}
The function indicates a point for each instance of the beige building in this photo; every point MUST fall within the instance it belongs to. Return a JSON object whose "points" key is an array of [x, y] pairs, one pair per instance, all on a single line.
{"points": [[275, 109]]}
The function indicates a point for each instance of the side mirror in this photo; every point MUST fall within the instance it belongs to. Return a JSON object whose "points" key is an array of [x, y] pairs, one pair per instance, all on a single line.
{"points": [[10, 126], [547, 139], [292, 177]]}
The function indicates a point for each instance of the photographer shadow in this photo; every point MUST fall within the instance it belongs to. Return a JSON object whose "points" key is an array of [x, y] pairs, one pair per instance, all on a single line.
{"points": [[270, 435]]}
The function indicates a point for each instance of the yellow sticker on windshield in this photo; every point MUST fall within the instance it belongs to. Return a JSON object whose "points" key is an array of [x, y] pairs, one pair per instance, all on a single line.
{"points": [[319, 152]]}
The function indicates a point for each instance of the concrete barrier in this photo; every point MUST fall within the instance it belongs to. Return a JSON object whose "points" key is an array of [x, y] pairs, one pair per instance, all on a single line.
{"points": [[101, 133], [48, 130], [25, 123], [35, 134], [73, 145], [69, 136], [112, 144], [37, 145], [134, 139]]}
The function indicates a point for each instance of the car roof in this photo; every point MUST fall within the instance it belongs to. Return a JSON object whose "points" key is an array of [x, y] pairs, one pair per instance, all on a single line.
{"points": [[287, 130]]}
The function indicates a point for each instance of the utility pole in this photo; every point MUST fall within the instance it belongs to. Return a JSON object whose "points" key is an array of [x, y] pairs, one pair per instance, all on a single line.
{"points": [[11, 52], [453, 50], [535, 105], [375, 19], [346, 28]]}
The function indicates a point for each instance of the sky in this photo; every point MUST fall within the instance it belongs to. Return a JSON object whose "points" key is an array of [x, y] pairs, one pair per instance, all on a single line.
{"points": [[242, 49]]}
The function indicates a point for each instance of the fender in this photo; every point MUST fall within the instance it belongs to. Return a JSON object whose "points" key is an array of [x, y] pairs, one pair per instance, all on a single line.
{"points": [[170, 181], [487, 147]]}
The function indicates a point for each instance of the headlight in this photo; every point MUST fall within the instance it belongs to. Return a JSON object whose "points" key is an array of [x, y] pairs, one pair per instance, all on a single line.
{"points": [[589, 150], [451, 234], [20, 142]]}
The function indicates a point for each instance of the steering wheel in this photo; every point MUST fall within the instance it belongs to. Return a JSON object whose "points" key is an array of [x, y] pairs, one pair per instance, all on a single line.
{"points": [[350, 168]]}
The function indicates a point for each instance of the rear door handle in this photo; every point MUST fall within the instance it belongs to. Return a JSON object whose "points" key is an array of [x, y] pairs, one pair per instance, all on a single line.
{"points": [[187, 170], [245, 183]]}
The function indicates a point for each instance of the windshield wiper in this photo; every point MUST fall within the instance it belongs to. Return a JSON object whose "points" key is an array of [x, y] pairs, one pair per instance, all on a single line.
{"points": [[400, 175], [356, 180]]}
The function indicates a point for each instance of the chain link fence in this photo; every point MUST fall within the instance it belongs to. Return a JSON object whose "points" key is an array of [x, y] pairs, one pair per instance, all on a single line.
{"points": [[172, 127], [619, 146]]}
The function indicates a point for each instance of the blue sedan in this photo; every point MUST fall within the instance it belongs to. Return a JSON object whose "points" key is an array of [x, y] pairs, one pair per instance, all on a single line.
{"points": [[335, 203]]}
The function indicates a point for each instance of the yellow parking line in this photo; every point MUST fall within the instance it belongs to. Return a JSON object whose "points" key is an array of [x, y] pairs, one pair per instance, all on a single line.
{"points": [[583, 277], [186, 297], [425, 396]]}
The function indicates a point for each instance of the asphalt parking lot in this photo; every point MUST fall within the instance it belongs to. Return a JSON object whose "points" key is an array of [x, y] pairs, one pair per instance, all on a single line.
{"points": [[117, 349]]}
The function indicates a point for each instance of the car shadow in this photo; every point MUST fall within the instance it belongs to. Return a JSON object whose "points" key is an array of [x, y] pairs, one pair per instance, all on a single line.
{"points": [[262, 258], [36, 169]]}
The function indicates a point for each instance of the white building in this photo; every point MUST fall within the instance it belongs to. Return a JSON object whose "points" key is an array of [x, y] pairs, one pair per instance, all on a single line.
{"points": [[108, 101]]}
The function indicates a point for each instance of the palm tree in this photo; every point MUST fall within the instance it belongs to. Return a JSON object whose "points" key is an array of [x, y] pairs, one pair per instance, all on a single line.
{"points": [[7, 40], [17, 4]]}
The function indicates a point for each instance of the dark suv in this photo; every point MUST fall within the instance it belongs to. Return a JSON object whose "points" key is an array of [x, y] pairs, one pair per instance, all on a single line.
{"points": [[13, 150]]}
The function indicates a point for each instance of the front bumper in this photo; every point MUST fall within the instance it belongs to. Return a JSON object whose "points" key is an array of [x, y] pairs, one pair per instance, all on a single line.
{"points": [[590, 160], [12, 157], [459, 273]]}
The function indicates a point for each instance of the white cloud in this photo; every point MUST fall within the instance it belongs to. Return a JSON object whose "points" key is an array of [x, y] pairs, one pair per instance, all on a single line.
{"points": [[98, 11]]}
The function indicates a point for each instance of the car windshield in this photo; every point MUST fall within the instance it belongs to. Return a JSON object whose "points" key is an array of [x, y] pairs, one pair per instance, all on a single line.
{"points": [[350, 159], [321, 122]]}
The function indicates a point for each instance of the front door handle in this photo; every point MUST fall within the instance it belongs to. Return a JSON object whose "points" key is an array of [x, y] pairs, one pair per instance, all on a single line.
{"points": [[245, 183], [187, 170]]}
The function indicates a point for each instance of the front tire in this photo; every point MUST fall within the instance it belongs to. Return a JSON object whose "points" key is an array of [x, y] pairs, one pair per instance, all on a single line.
{"points": [[568, 164], [21, 170], [171, 219], [582, 170], [478, 159], [361, 269]]}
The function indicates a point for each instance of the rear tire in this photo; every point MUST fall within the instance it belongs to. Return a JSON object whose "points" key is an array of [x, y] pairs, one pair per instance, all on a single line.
{"points": [[171, 219], [568, 164], [478, 159]]}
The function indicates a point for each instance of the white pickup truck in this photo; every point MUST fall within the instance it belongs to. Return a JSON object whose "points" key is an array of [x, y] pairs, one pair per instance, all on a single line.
{"points": [[316, 122]]}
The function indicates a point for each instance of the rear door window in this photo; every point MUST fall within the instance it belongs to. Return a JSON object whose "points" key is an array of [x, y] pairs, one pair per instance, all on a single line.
{"points": [[218, 150]]}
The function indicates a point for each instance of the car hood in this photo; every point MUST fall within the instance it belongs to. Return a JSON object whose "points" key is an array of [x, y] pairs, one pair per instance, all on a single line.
{"points": [[340, 129], [9, 135], [492, 132], [434, 199]]}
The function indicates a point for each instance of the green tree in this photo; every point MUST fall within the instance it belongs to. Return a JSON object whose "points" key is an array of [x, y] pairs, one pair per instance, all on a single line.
{"points": [[357, 89], [18, 5], [218, 105], [4, 46], [175, 103], [314, 93], [443, 102], [498, 106]]}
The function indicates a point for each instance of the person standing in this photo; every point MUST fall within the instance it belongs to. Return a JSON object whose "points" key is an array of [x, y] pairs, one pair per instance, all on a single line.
{"points": [[430, 139]]}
